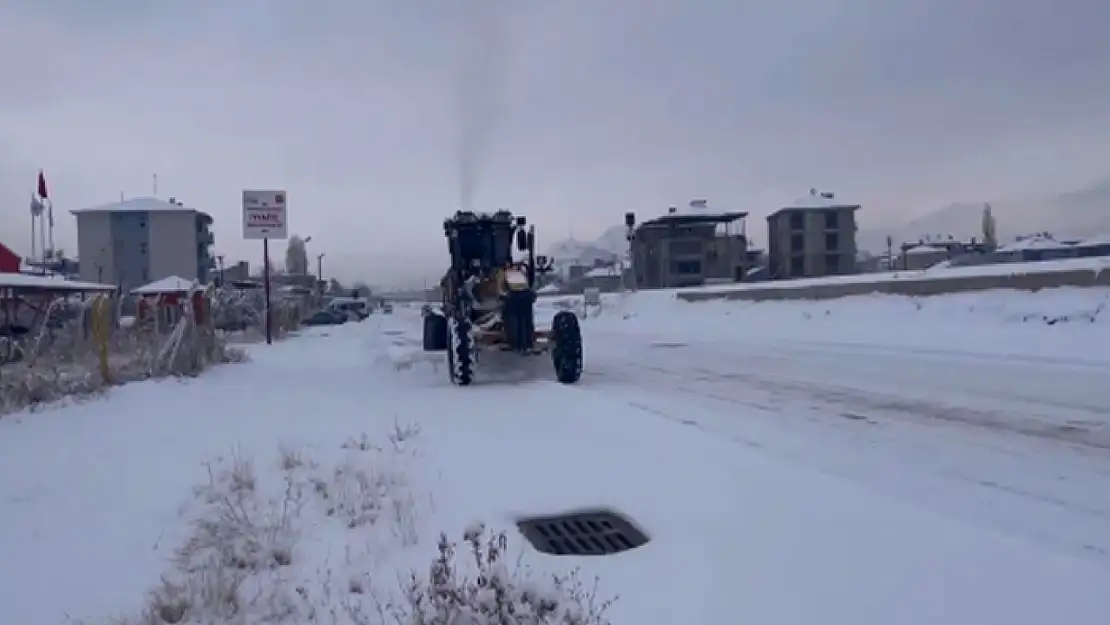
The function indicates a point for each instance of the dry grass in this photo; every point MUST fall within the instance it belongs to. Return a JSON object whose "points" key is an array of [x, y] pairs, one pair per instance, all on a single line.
{"points": [[494, 594], [253, 553]]}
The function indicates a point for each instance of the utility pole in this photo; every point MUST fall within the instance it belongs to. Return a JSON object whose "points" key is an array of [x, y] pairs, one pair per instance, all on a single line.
{"points": [[630, 237], [320, 267], [266, 290]]}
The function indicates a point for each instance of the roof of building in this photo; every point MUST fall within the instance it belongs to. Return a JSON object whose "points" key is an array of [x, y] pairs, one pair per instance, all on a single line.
{"points": [[815, 201], [49, 283], [687, 219], [924, 249], [170, 284], [603, 272], [1034, 242], [137, 205], [9, 254], [1095, 241]]}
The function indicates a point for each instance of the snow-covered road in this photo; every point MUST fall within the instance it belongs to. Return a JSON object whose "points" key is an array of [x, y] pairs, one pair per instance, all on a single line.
{"points": [[1018, 442], [851, 462]]}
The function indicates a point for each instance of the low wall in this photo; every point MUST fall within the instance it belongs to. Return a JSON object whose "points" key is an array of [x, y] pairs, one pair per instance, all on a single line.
{"points": [[915, 286]]}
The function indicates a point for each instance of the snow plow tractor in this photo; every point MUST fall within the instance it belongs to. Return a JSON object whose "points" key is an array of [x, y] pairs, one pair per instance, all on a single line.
{"points": [[489, 299]]}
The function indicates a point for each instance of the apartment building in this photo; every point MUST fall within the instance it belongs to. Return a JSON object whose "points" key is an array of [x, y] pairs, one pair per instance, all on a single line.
{"points": [[138, 241], [681, 250], [815, 236]]}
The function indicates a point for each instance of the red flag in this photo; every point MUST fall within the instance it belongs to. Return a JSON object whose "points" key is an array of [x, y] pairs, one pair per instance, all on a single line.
{"points": [[42, 186]]}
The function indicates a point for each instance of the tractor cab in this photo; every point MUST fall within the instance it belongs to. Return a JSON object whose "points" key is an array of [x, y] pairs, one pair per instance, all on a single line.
{"points": [[479, 244]]}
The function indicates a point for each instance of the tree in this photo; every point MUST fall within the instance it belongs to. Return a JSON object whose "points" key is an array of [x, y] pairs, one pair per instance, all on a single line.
{"points": [[296, 257], [362, 289], [990, 234]]}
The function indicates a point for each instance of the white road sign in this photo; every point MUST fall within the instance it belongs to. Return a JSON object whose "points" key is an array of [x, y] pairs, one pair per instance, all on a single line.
{"points": [[264, 215]]}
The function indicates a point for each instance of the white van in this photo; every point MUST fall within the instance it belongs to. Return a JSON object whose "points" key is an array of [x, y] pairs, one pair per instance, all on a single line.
{"points": [[356, 306]]}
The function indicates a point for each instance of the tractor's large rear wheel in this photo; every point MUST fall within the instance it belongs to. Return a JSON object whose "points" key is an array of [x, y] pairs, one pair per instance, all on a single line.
{"points": [[461, 351], [566, 347]]}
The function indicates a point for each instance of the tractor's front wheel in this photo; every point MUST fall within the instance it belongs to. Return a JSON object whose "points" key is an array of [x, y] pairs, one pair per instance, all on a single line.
{"points": [[461, 350], [566, 347]]}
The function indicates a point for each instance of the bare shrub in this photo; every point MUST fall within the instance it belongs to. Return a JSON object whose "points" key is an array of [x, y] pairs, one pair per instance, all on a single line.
{"points": [[256, 552], [241, 314], [493, 594]]}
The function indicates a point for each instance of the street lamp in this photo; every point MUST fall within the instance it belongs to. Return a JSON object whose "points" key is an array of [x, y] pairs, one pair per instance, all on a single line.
{"points": [[220, 264]]}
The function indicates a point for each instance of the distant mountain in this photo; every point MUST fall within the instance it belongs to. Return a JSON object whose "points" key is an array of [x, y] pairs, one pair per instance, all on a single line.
{"points": [[961, 220], [613, 240], [1079, 214], [1085, 212], [574, 252]]}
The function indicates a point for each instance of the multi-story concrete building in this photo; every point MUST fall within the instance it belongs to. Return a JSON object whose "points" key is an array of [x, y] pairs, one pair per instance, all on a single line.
{"points": [[138, 241], [678, 250], [816, 236]]}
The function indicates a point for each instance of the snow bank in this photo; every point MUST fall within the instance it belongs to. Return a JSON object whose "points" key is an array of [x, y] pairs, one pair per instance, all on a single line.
{"points": [[1062, 321], [936, 272]]}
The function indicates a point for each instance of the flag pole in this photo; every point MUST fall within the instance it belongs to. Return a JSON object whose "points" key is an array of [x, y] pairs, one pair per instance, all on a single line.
{"points": [[39, 204], [50, 222], [42, 238], [34, 234]]}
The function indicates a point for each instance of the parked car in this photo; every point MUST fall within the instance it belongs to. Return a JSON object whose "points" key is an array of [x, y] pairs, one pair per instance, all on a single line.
{"points": [[348, 306], [324, 318]]}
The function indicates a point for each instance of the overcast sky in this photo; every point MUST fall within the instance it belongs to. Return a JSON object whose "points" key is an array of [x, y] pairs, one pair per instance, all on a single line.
{"points": [[375, 115]]}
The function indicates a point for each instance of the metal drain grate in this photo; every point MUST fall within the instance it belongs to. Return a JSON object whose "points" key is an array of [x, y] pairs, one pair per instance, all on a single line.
{"points": [[588, 533]]}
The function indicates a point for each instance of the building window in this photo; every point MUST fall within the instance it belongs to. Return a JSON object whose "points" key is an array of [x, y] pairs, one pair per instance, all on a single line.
{"points": [[686, 267], [832, 220], [797, 242], [832, 263], [797, 221], [832, 242], [797, 266]]}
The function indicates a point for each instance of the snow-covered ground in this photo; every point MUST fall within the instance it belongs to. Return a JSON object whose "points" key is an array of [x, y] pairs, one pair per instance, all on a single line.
{"points": [[867, 460], [937, 272]]}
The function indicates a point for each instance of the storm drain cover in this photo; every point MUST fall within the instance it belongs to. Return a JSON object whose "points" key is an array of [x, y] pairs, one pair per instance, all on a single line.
{"points": [[587, 533]]}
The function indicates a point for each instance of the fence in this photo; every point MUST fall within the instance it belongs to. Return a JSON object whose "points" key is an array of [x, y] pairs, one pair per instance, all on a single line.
{"points": [[88, 348]]}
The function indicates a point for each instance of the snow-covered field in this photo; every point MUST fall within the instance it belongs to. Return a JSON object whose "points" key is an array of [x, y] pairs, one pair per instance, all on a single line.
{"points": [[867, 460]]}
